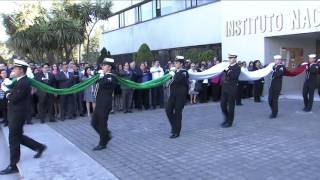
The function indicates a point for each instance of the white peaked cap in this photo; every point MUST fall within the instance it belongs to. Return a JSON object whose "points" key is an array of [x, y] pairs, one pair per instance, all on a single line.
{"points": [[312, 55], [108, 60], [179, 57], [232, 55], [20, 63], [277, 57]]}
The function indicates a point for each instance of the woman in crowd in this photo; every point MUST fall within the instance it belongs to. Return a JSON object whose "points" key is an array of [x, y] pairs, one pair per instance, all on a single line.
{"points": [[258, 84], [192, 85], [118, 92], [144, 93], [55, 70], [203, 94], [89, 96]]}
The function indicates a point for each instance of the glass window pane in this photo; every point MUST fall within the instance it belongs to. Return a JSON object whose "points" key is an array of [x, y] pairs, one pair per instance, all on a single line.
{"points": [[122, 20], [146, 11], [112, 23], [200, 2], [168, 7], [129, 17], [188, 3]]}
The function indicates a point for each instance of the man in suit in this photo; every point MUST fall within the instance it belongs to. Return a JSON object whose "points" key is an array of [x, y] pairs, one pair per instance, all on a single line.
{"points": [[276, 85], [310, 83], [229, 91], [18, 100], [65, 80], [178, 96], [45, 103]]}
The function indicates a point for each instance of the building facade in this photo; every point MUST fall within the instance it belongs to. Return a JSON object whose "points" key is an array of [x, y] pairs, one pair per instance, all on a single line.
{"points": [[252, 29]]}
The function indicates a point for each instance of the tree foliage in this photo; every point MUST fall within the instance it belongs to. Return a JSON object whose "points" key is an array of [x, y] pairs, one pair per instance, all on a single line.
{"points": [[144, 54]]}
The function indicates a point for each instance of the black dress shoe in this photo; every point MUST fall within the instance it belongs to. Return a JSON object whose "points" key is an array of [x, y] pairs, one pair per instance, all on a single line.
{"points": [[272, 116], [306, 110], [5, 124], [52, 120], [40, 151], [9, 170], [174, 136], [99, 148], [42, 121], [129, 111], [239, 104], [226, 125]]}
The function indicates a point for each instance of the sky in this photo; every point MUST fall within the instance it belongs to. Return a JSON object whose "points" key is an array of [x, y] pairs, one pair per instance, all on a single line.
{"points": [[9, 6]]}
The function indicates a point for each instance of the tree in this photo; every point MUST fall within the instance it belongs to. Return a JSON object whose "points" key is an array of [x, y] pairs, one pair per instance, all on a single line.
{"points": [[207, 55], [89, 15], [144, 54], [103, 54]]}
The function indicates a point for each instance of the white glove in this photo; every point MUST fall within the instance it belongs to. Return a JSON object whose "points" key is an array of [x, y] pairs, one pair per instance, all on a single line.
{"points": [[172, 73], [101, 73], [173, 68], [4, 87], [7, 82], [304, 63], [29, 73]]}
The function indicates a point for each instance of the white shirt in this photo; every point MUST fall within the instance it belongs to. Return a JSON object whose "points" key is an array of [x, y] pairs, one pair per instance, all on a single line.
{"points": [[157, 72]]}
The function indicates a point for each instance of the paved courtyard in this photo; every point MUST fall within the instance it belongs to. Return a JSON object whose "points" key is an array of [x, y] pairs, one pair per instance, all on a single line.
{"points": [[256, 148]]}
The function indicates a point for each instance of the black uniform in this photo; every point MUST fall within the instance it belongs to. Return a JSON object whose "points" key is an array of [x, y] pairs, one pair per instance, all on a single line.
{"points": [[18, 100], [105, 88], [309, 85], [45, 103], [177, 98], [275, 88], [229, 94]]}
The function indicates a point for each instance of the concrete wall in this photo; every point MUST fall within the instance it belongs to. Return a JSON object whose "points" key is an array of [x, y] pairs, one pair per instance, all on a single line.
{"points": [[197, 26], [252, 21]]}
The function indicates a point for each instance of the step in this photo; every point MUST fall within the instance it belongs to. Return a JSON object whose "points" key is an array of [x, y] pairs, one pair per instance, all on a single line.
{"points": [[62, 160]]}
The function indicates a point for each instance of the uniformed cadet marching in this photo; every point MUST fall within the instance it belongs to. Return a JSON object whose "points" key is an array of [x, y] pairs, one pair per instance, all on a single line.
{"points": [[177, 98], [276, 85], [18, 100], [105, 87], [310, 83], [229, 91]]}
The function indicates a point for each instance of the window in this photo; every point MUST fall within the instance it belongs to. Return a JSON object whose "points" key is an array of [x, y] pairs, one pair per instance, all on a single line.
{"points": [[130, 17], [201, 2], [168, 7], [121, 20], [146, 11]]}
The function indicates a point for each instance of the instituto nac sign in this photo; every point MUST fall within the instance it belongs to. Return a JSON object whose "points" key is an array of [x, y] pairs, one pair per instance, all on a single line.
{"points": [[295, 19]]}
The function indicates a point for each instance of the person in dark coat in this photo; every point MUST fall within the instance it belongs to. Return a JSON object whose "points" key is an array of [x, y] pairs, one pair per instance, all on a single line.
{"points": [[258, 84], [3, 99], [310, 83], [229, 91], [178, 94], [45, 103], [65, 80], [18, 100], [276, 85], [105, 87]]}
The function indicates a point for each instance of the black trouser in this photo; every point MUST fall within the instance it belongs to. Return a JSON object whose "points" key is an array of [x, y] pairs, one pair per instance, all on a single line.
{"points": [[77, 104], [274, 93], [157, 96], [308, 94], [203, 94], [3, 109], [215, 91], [143, 99], [174, 109], [16, 138], [228, 98], [100, 124], [46, 106], [66, 106], [239, 93], [257, 90], [127, 99]]}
